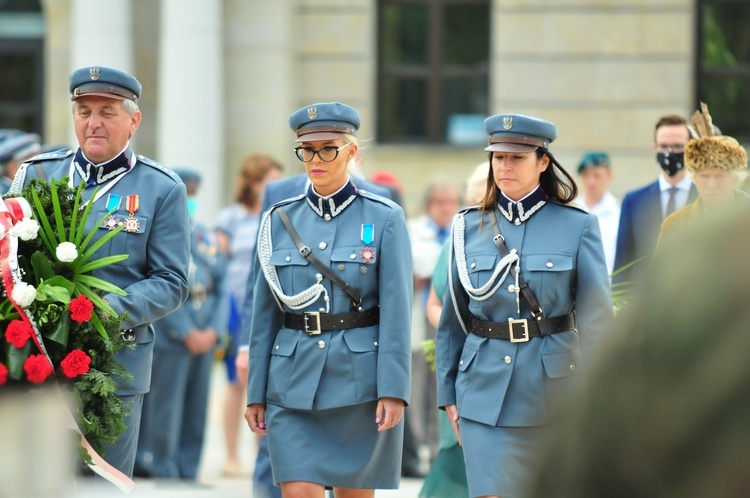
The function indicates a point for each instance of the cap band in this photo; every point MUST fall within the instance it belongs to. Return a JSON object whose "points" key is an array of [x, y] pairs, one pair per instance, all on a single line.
{"points": [[329, 128], [518, 140], [80, 92]]}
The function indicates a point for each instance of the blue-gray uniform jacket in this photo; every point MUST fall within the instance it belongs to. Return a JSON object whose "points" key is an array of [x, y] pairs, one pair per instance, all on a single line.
{"points": [[155, 273], [334, 369], [494, 381], [206, 304]]}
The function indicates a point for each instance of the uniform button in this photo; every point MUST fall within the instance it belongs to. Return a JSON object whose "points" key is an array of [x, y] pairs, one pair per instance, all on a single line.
{"points": [[321, 344], [322, 245], [461, 362], [572, 367], [318, 277], [327, 217], [352, 256], [507, 360], [473, 265], [511, 288], [513, 251], [341, 267], [277, 348], [288, 259], [376, 343], [517, 222], [322, 310], [549, 264]]}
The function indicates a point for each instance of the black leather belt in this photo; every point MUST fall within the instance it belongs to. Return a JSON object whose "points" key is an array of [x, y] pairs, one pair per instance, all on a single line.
{"points": [[313, 322], [523, 329]]}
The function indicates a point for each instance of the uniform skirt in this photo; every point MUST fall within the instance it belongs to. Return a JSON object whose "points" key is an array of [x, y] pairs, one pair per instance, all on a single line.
{"points": [[500, 460], [340, 447]]}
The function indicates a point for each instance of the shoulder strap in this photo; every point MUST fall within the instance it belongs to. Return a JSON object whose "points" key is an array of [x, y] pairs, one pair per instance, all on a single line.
{"points": [[499, 240], [307, 253]]}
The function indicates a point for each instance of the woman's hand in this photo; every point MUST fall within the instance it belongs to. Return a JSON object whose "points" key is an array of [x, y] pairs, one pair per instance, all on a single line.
{"points": [[389, 413], [452, 413], [255, 414]]}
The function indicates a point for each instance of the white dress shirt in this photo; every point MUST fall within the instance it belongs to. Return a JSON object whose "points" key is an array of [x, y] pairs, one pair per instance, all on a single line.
{"points": [[608, 213], [680, 197]]}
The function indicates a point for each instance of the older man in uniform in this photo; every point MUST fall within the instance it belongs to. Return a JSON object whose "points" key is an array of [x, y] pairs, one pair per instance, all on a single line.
{"points": [[148, 200]]}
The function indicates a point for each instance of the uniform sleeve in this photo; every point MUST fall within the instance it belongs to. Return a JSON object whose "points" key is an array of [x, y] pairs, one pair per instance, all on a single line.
{"points": [[396, 295], [177, 325], [165, 286], [594, 310], [450, 337]]}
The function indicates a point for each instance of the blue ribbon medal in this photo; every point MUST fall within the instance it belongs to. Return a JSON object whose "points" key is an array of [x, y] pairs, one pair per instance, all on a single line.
{"points": [[113, 202], [368, 233]]}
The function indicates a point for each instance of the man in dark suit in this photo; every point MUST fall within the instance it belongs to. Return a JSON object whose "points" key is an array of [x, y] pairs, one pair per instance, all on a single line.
{"points": [[276, 191], [644, 209]]}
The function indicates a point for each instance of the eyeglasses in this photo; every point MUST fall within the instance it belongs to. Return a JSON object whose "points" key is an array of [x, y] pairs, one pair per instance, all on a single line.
{"points": [[670, 147], [326, 154]]}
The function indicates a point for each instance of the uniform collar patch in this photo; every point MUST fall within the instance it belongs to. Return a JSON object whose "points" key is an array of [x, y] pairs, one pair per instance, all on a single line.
{"points": [[94, 174], [519, 212], [332, 206]]}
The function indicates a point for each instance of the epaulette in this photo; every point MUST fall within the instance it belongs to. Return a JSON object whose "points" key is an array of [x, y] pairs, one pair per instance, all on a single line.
{"points": [[375, 197], [160, 167], [571, 205], [465, 210], [55, 154], [286, 201]]}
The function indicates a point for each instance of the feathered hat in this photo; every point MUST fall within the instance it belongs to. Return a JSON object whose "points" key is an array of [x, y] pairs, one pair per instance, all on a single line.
{"points": [[710, 150]]}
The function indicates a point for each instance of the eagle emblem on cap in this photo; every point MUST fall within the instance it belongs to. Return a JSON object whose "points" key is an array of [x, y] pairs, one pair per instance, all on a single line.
{"points": [[94, 73], [312, 113], [508, 122]]}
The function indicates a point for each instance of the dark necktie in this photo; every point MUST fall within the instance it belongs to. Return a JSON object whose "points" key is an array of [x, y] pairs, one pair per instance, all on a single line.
{"points": [[671, 201]]}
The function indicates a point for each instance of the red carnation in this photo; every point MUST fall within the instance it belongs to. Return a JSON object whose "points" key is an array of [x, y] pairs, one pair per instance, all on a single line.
{"points": [[18, 332], [81, 309], [3, 374], [76, 363], [37, 368]]}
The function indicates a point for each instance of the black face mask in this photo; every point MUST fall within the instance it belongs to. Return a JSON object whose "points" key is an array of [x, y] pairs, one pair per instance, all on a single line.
{"points": [[671, 162]]}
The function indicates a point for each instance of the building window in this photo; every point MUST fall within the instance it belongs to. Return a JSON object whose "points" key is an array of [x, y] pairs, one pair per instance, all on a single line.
{"points": [[433, 69], [21, 63], [723, 67]]}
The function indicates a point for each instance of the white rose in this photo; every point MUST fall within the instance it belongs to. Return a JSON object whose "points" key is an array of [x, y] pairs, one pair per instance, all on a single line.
{"points": [[24, 294], [26, 229], [66, 252]]}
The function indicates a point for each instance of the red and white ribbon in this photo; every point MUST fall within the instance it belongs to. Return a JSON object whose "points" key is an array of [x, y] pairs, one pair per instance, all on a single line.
{"points": [[12, 211]]}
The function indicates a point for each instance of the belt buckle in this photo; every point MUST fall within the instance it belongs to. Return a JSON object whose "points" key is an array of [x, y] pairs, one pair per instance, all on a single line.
{"points": [[525, 329], [316, 316]]}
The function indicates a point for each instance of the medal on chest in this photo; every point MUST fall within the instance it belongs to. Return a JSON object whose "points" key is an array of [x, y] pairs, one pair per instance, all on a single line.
{"points": [[367, 234], [132, 203], [113, 204]]}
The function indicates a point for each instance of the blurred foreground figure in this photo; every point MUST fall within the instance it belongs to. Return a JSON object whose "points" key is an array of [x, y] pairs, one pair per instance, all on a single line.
{"points": [[666, 409]]}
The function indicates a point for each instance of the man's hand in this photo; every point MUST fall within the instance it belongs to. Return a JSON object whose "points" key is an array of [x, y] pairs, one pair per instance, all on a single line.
{"points": [[200, 341], [452, 413]]}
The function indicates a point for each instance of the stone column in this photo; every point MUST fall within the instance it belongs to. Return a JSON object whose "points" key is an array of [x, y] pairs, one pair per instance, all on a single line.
{"points": [[190, 100], [100, 35]]}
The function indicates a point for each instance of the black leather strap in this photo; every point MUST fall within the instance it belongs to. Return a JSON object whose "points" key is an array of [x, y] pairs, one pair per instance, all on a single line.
{"points": [[499, 240], [521, 330], [307, 253], [315, 323]]}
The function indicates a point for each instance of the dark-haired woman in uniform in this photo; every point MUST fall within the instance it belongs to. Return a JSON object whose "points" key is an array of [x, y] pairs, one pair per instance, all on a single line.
{"points": [[329, 366], [528, 295]]}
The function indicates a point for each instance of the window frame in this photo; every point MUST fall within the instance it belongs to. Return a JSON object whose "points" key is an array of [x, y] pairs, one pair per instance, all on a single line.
{"points": [[434, 73]]}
